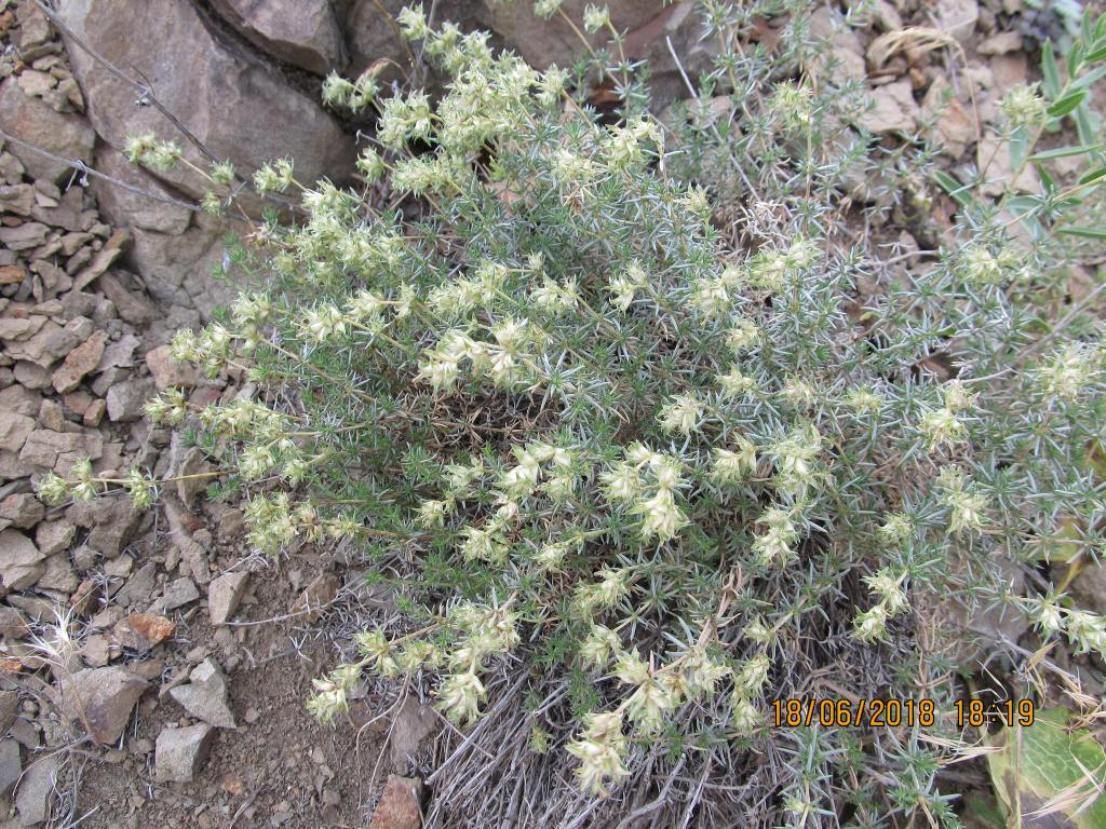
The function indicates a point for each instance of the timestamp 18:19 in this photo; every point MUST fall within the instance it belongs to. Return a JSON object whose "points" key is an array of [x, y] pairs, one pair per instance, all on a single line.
{"points": [[976, 713]]}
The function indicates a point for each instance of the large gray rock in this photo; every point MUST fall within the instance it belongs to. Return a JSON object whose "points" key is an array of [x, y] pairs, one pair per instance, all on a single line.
{"points": [[238, 106], [101, 700], [301, 32], [31, 120]]}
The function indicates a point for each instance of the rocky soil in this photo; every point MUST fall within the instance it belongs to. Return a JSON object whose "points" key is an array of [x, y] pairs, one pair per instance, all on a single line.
{"points": [[153, 669]]}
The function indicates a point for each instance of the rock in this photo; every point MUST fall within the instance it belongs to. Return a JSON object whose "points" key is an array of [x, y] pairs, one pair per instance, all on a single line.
{"points": [[113, 521], [119, 354], [223, 596], [54, 450], [142, 631], [1001, 43], [127, 400], [80, 361], [846, 50], [21, 563], [242, 110], [59, 575], [399, 804], [192, 464], [177, 594], [205, 696], [54, 536], [12, 274], [20, 328], [996, 169], [138, 588], [316, 596], [180, 531], [894, 110], [14, 430], [955, 127], [24, 236], [958, 17], [545, 42], [1089, 587], [133, 307], [18, 199], [304, 33], [181, 752], [11, 767], [177, 268], [22, 510], [101, 700], [413, 724], [51, 342], [123, 207], [104, 258], [12, 623], [32, 797], [29, 119], [167, 372]]}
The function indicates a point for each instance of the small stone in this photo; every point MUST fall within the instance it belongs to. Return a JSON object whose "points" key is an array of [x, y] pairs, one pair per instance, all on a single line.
{"points": [[102, 699], [399, 804], [205, 696], [25, 236], [11, 767], [126, 400], [1089, 587], [142, 631], [113, 522], [36, 83], [59, 575], [958, 17], [190, 482], [79, 362], [131, 305], [894, 109], [22, 510], [316, 596], [138, 588], [954, 128], [12, 623], [223, 596], [119, 568], [18, 199], [413, 724], [177, 594], [996, 167], [14, 429], [167, 372], [20, 561], [181, 752], [94, 414], [96, 650], [12, 274], [1001, 44], [32, 797]]}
